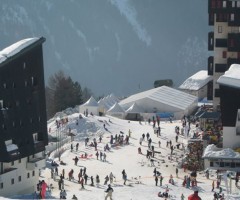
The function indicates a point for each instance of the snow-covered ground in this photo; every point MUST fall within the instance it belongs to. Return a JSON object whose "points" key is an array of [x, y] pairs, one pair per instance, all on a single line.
{"points": [[141, 182]]}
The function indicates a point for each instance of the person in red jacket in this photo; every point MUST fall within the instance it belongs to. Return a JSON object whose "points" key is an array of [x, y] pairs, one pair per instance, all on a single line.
{"points": [[194, 196]]}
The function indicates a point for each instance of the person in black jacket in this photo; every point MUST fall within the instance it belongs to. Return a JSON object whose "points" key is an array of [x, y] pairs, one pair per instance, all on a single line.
{"points": [[109, 192]]}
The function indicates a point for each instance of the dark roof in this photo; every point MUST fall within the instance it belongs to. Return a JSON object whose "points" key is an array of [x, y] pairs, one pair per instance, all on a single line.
{"points": [[210, 115]]}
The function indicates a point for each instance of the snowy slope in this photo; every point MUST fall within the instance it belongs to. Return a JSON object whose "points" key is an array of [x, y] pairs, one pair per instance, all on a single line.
{"points": [[137, 166]]}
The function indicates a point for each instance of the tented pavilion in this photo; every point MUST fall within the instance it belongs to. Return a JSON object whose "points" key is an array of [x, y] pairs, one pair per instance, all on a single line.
{"points": [[117, 111], [91, 106], [161, 100]]}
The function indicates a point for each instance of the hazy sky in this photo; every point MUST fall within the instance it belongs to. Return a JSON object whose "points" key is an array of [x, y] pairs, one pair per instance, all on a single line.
{"points": [[119, 46]]}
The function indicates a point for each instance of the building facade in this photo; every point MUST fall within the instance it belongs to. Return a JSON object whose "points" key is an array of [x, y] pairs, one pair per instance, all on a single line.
{"points": [[23, 120], [224, 41]]}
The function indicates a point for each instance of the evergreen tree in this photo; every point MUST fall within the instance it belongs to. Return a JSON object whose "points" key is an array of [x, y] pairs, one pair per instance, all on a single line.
{"points": [[62, 92]]}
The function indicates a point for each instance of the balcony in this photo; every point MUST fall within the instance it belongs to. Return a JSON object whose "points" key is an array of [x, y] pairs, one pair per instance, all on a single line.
{"points": [[221, 68], [34, 163], [235, 21], [234, 42], [231, 61], [222, 43]]}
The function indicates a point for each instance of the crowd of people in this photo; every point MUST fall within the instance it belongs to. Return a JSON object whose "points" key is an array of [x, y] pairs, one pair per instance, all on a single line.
{"points": [[174, 148]]}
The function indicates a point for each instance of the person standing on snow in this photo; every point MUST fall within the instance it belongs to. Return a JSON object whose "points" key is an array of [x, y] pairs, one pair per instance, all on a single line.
{"points": [[97, 181], [156, 180], [111, 176], [106, 180], [124, 176], [194, 196], [109, 192]]}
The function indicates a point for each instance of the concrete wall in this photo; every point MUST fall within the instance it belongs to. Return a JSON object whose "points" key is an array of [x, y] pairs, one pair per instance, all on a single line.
{"points": [[29, 178], [230, 139]]}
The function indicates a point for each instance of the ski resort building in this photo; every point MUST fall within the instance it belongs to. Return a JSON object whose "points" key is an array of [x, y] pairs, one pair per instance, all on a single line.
{"points": [[230, 106], [224, 16], [197, 84], [23, 129], [227, 158]]}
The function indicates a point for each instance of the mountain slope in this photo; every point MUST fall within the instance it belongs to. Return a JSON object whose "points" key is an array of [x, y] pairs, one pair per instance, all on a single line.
{"points": [[111, 45]]}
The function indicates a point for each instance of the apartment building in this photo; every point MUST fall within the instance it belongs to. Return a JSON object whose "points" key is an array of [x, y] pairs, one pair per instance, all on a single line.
{"points": [[23, 121], [224, 41]]}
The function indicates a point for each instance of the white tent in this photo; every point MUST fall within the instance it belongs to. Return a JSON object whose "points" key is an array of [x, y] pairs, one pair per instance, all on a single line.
{"points": [[117, 111], [106, 103], [134, 109], [163, 99], [91, 106]]}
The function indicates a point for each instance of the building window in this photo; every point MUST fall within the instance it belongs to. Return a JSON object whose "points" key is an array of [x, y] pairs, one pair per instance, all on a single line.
{"points": [[224, 54], [12, 181], [224, 4], [233, 4], [232, 17], [20, 123], [1, 185], [12, 163], [33, 173], [25, 83], [19, 179], [211, 163], [4, 127], [14, 85], [238, 4], [5, 85], [28, 175], [238, 130], [24, 65], [213, 4], [1, 104], [17, 103], [219, 29], [29, 101], [221, 164], [34, 81], [14, 125], [231, 43]]}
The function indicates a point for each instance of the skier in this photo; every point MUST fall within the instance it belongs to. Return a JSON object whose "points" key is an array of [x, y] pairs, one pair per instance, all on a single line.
{"points": [[77, 145], [97, 180], [156, 180], [97, 154], [74, 197], [75, 160], [109, 192], [85, 178], [177, 172], [106, 180], [92, 183], [111, 176]]}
